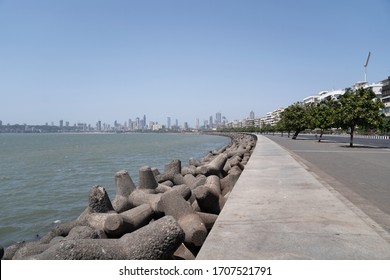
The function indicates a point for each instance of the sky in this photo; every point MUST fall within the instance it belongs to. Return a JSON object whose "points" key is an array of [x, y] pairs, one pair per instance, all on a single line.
{"points": [[91, 60]]}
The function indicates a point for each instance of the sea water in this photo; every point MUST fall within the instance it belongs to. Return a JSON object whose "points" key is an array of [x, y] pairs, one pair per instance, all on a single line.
{"points": [[45, 178]]}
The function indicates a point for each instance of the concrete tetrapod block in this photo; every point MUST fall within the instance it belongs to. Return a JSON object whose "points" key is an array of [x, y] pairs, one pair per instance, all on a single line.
{"points": [[183, 190], [156, 241], [147, 180], [36, 247], [114, 226], [29, 249], [137, 217], [209, 200], [98, 220], [139, 197], [183, 253], [178, 179], [215, 167], [194, 162], [163, 188], [208, 219], [214, 183], [188, 170], [175, 205], [85, 232], [117, 225], [61, 230], [170, 170], [99, 202], [124, 187], [227, 183], [193, 182]]}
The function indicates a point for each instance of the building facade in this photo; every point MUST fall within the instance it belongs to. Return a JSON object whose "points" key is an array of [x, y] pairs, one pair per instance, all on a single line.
{"points": [[386, 96]]}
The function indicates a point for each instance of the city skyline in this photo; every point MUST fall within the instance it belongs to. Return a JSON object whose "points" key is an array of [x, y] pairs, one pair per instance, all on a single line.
{"points": [[84, 61], [133, 124]]}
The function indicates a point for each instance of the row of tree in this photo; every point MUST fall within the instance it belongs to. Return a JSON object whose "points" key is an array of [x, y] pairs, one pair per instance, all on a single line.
{"points": [[354, 109]]}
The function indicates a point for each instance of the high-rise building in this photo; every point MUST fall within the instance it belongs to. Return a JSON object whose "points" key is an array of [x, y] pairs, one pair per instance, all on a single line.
{"points": [[169, 123], [1, 123], [218, 119], [211, 122], [61, 123], [252, 115], [144, 123], [99, 126], [197, 124]]}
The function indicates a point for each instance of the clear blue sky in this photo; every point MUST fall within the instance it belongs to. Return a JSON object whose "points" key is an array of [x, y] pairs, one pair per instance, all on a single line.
{"points": [[93, 60]]}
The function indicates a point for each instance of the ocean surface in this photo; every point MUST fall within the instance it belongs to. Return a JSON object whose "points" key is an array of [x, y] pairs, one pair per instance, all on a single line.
{"points": [[45, 178]]}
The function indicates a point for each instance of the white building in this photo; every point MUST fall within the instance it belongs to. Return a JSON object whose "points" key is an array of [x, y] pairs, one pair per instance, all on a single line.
{"points": [[376, 88], [272, 118], [386, 96], [313, 99], [335, 93]]}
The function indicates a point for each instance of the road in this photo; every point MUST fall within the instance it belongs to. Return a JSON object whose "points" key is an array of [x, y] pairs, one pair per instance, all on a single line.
{"points": [[361, 174]]}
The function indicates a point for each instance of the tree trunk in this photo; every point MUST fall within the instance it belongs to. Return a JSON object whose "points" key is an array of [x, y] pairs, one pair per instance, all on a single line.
{"points": [[296, 134], [351, 136], [319, 140]]}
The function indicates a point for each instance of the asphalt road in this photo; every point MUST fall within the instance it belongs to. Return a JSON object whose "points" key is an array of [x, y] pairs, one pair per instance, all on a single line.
{"points": [[361, 174]]}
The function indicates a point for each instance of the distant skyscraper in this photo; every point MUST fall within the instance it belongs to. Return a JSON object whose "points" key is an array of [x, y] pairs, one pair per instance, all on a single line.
{"points": [[197, 124], [1, 123], [144, 124], [218, 118], [252, 115], [61, 123], [169, 122], [211, 122], [99, 126]]}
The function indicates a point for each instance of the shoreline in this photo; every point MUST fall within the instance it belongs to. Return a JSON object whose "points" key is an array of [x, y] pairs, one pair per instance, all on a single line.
{"points": [[186, 199]]}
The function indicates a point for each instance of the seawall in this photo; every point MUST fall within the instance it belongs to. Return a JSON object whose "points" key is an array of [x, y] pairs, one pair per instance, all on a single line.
{"points": [[168, 215]]}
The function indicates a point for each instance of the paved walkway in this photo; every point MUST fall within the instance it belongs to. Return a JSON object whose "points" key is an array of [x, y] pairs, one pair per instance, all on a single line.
{"points": [[279, 210]]}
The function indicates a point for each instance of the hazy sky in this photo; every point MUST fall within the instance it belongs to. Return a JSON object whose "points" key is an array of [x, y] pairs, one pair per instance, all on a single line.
{"points": [[90, 60]]}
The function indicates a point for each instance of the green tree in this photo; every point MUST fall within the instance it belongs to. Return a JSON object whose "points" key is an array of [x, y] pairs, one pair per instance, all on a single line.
{"points": [[359, 108], [386, 126], [322, 115], [295, 118]]}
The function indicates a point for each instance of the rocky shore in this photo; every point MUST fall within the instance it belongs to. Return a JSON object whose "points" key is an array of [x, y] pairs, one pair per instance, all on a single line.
{"points": [[166, 215]]}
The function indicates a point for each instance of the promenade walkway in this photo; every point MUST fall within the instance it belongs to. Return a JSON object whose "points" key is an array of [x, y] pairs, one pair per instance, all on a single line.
{"points": [[279, 210]]}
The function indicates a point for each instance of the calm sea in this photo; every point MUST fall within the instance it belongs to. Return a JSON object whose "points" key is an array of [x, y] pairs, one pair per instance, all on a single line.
{"points": [[45, 178]]}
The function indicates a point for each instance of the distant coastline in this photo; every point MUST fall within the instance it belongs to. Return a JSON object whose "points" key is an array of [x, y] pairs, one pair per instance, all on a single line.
{"points": [[36, 129]]}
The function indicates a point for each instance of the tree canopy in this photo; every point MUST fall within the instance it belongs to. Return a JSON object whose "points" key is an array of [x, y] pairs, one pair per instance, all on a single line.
{"points": [[355, 108], [295, 118], [359, 108], [323, 115]]}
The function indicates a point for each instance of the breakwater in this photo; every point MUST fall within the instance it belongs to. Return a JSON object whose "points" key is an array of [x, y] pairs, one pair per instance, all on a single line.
{"points": [[166, 216]]}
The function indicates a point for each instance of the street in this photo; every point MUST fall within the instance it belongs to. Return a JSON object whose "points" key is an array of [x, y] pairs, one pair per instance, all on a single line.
{"points": [[361, 174]]}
